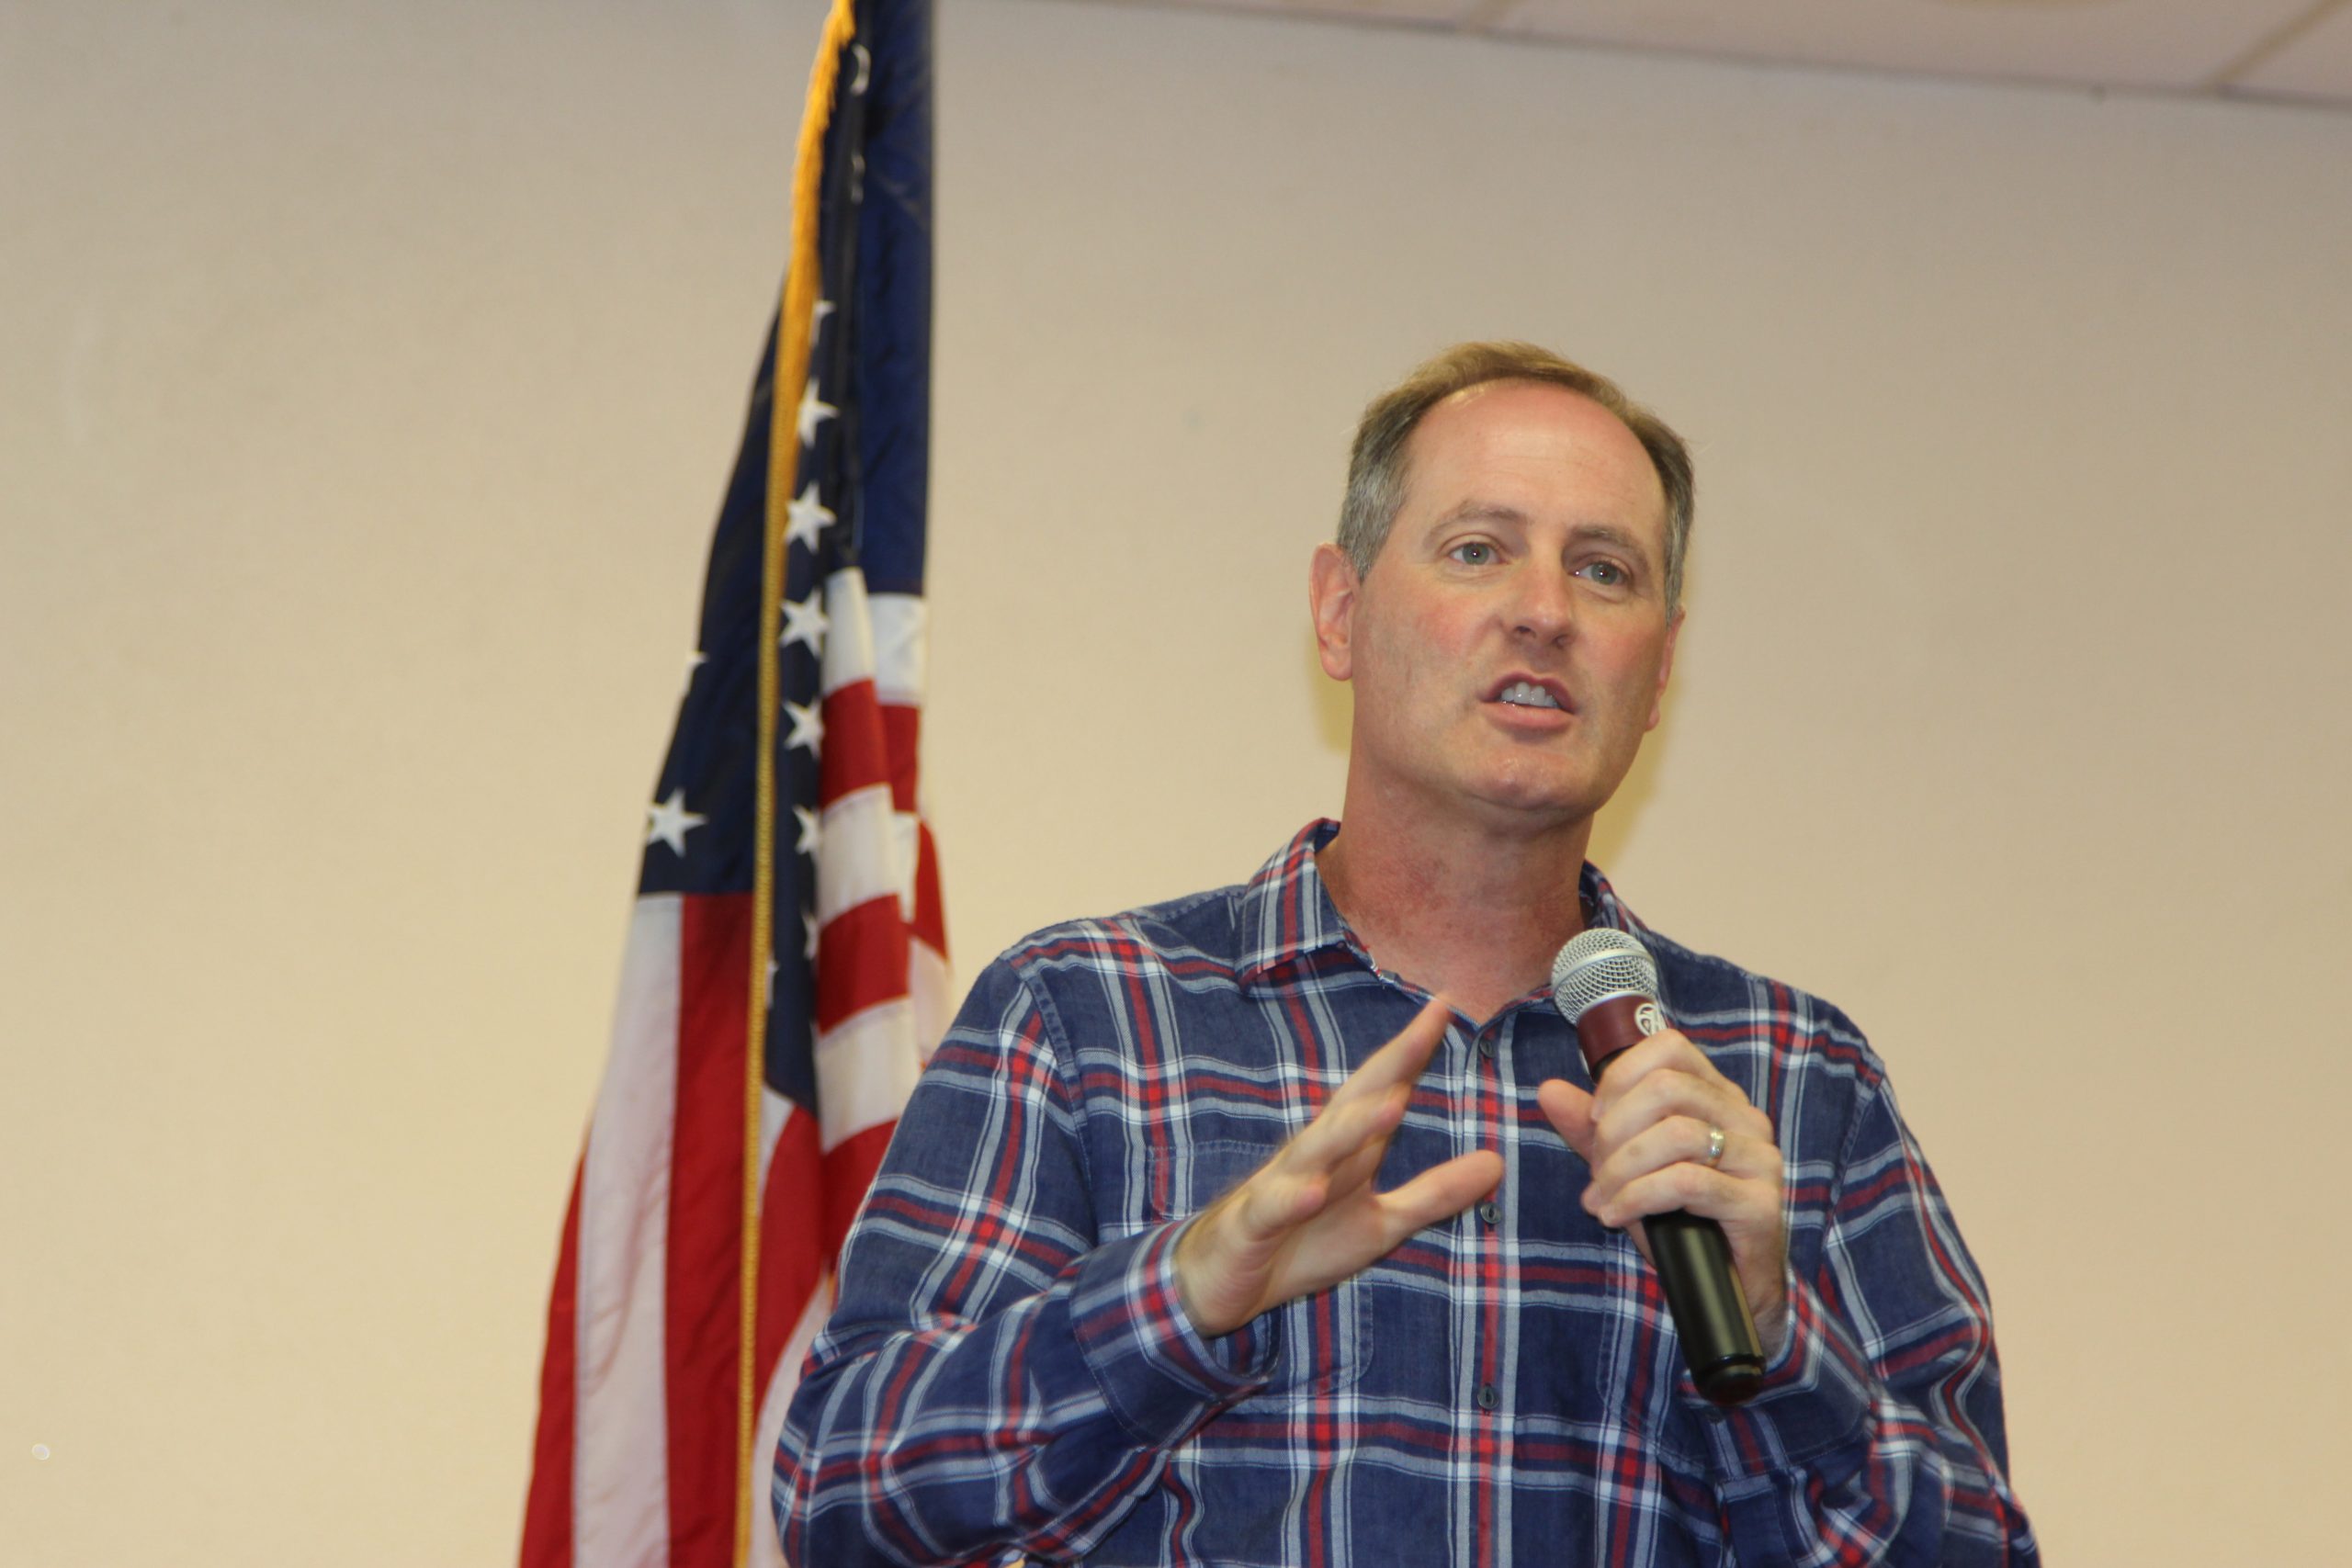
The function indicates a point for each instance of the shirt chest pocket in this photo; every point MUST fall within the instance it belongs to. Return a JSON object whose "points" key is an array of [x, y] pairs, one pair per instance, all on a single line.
{"points": [[1327, 1337]]}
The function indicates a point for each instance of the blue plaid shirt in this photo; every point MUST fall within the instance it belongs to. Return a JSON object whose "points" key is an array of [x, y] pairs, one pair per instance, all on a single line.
{"points": [[1007, 1369]]}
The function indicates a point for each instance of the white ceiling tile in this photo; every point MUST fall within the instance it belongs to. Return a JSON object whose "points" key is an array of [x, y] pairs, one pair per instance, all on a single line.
{"points": [[2157, 43], [2315, 64]]}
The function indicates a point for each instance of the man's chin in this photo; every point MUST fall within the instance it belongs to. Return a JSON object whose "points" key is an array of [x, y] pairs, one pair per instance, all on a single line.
{"points": [[1534, 808]]}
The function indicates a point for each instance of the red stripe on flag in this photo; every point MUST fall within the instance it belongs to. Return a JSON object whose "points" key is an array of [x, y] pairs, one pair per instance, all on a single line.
{"points": [[854, 755], [706, 1207], [546, 1513], [792, 1254], [861, 960], [848, 1171], [929, 919], [901, 729]]}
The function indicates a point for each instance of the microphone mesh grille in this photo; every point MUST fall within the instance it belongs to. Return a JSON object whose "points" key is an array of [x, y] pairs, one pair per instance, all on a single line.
{"points": [[1598, 964]]}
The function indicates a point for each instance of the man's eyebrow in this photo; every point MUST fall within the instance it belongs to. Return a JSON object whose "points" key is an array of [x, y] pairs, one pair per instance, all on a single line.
{"points": [[1481, 511], [1610, 534]]}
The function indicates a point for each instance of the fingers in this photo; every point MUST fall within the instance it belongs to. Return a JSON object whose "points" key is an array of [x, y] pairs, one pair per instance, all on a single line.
{"points": [[1639, 1169], [1341, 1136], [1665, 1077], [1405, 1057], [1666, 1166], [1653, 1065], [1689, 1140], [1693, 1189], [1353, 1127], [1309, 1215], [1304, 1176], [1569, 1110], [1442, 1192], [1647, 1133]]}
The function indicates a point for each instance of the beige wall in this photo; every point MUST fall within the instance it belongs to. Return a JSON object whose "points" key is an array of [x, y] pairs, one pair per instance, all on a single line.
{"points": [[371, 371]]}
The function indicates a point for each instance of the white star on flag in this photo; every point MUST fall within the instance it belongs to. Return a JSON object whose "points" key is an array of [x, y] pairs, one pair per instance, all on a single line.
{"points": [[808, 820], [808, 727], [803, 621], [669, 822], [810, 517], [814, 411]]}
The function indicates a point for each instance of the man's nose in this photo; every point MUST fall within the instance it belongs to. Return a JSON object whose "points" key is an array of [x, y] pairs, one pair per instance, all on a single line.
{"points": [[1543, 603]]}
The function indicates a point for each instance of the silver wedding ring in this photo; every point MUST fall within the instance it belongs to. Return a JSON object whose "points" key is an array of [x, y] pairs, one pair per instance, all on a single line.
{"points": [[1715, 1145]]}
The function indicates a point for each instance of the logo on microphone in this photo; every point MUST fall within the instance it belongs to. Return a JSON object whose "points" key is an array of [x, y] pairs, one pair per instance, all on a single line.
{"points": [[1648, 1019]]}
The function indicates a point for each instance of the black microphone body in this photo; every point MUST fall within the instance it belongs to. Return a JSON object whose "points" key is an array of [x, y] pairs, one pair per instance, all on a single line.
{"points": [[1720, 1343]]}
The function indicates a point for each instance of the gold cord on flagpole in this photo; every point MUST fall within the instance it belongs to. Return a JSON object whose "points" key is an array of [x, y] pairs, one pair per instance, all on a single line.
{"points": [[794, 318]]}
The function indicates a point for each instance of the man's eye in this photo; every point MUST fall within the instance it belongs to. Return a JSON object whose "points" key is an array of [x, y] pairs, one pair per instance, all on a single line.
{"points": [[1474, 553], [1607, 574]]}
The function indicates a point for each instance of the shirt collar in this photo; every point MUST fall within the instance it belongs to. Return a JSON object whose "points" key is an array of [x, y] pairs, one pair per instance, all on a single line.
{"points": [[1604, 908], [1287, 913]]}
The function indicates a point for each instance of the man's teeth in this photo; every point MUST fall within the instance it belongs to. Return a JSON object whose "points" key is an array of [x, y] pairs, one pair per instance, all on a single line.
{"points": [[1528, 694]]}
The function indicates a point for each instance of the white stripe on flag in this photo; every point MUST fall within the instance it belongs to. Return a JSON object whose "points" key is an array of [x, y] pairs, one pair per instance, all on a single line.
{"points": [[775, 1111], [902, 624], [906, 843], [858, 852], [849, 633], [866, 1066], [767, 1551], [932, 990], [620, 1487]]}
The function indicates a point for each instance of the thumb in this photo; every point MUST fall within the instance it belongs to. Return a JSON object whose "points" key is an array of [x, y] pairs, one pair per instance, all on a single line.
{"points": [[1569, 1110]]}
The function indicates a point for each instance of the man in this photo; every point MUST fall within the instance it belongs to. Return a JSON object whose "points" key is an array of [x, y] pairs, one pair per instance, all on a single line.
{"points": [[1173, 1261]]}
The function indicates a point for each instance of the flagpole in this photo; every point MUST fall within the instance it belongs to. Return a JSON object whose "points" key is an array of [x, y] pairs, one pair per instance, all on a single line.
{"points": [[793, 317]]}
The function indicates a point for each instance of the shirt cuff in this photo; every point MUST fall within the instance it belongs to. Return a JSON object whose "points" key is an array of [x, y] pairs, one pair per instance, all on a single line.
{"points": [[1161, 1378], [1815, 1396]]}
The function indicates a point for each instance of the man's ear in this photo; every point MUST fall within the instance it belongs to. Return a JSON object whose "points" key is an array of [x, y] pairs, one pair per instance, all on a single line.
{"points": [[1665, 669], [1331, 590]]}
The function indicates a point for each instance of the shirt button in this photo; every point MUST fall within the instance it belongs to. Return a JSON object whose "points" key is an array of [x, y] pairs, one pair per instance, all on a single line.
{"points": [[1488, 1397], [1486, 1046], [1491, 1212]]}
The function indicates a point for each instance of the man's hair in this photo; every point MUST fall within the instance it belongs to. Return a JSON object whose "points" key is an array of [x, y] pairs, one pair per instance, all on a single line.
{"points": [[1376, 466]]}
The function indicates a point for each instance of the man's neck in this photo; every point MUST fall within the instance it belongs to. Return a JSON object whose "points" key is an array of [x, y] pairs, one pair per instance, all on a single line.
{"points": [[1463, 910]]}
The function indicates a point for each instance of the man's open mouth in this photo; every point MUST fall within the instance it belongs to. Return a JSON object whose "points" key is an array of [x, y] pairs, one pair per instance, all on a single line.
{"points": [[1528, 694]]}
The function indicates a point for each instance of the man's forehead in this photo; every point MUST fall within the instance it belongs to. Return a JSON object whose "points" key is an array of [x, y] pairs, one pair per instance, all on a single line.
{"points": [[1519, 389], [1487, 445]]}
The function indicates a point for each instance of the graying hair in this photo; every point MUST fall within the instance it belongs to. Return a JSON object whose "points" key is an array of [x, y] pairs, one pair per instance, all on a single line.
{"points": [[1376, 464]]}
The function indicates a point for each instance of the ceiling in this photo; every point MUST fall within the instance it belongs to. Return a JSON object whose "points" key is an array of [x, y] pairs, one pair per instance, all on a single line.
{"points": [[2290, 50]]}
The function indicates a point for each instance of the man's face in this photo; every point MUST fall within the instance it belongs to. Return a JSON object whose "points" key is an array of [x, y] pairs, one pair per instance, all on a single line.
{"points": [[1511, 643]]}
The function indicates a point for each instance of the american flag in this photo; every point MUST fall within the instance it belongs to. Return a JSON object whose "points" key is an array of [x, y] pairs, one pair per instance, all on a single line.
{"points": [[786, 972]]}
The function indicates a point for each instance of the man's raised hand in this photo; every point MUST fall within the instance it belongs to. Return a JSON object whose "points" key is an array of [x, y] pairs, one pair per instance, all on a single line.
{"points": [[1308, 1217]]}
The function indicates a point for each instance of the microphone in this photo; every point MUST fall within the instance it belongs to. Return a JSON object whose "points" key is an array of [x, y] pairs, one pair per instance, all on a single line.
{"points": [[1606, 984]]}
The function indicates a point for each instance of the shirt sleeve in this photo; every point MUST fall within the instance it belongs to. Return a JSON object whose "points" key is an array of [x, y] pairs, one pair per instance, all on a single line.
{"points": [[995, 1378], [1878, 1435]]}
